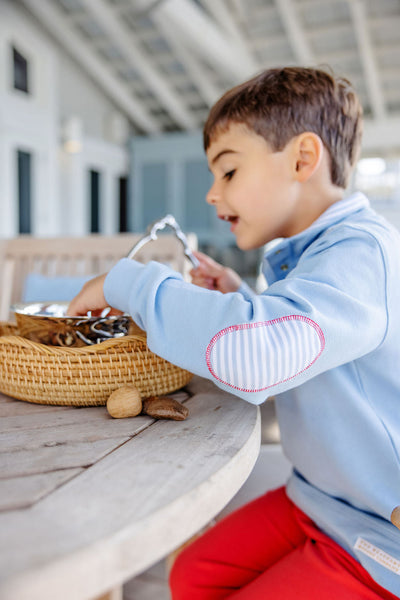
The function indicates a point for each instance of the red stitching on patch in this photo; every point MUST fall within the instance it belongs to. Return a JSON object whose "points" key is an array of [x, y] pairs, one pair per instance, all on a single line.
{"points": [[260, 324]]}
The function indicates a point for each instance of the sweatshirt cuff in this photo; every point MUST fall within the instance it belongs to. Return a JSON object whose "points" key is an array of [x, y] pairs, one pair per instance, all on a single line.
{"points": [[130, 286], [118, 283]]}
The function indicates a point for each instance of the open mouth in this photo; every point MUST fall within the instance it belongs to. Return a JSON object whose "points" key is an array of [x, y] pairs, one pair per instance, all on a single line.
{"points": [[230, 219]]}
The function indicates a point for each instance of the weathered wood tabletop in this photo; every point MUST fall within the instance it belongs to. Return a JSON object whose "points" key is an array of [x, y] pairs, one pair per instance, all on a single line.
{"points": [[87, 502]]}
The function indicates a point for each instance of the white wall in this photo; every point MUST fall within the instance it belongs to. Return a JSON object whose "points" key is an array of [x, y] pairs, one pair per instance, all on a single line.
{"points": [[79, 95], [27, 122], [34, 123]]}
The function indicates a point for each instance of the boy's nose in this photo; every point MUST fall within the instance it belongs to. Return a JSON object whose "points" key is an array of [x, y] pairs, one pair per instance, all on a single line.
{"points": [[212, 197]]}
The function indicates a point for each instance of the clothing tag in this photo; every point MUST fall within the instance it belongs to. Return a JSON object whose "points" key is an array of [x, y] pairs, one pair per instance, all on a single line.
{"points": [[378, 555]]}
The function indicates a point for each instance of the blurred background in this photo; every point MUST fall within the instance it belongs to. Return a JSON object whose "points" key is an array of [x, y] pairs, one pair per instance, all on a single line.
{"points": [[102, 104]]}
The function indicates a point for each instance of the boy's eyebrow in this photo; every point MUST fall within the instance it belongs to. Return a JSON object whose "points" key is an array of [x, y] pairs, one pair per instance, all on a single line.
{"points": [[226, 151]]}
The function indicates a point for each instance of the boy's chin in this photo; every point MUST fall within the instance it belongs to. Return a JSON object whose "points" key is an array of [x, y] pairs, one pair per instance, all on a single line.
{"points": [[250, 242], [247, 244]]}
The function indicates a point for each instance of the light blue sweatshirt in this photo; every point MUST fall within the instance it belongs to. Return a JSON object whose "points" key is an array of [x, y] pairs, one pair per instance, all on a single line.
{"points": [[324, 339]]}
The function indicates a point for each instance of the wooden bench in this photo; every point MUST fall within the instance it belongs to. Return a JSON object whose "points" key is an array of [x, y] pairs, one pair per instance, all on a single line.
{"points": [[77, 256]]}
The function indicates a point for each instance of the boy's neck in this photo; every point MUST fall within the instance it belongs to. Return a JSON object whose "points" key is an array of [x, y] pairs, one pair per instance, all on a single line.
{"points": [[316, 196], [315, 206]]}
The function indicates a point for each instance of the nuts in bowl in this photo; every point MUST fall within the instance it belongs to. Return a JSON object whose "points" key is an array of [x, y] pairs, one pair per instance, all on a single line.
{"points": [[48, 323]]}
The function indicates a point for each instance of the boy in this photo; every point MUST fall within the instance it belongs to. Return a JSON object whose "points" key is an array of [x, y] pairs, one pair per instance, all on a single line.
{"points": [[323, 338]]}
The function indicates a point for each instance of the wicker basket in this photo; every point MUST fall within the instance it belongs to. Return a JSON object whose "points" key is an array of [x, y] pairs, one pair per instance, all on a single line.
{"points": [[82, 376]]}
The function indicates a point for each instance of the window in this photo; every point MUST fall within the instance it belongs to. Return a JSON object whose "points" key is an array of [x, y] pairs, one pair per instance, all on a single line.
{"points": [[24, 187], [379, 179], [123, 204], [94, 195], [20, 71]]}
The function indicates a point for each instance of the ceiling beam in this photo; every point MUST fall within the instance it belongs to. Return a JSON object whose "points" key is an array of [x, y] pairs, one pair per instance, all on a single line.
{"points": [[337, 29], [136, 57], [240, 9], [57, 26], [200, 78], [225, 20], [295, 33], [201, 34], [360, 23]]}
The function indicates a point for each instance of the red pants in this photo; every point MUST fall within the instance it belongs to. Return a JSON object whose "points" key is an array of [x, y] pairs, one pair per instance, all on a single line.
{"points": [[270, 549]]}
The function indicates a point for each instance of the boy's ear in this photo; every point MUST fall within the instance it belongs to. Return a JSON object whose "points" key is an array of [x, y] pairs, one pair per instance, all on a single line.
{"points": [[308, 150]]}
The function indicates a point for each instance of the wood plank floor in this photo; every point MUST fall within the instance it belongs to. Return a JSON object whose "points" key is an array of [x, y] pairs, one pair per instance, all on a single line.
{"points": [[150, 585]]}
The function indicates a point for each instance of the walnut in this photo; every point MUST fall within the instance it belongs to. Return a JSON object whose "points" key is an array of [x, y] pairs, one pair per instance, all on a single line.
{"points": [[124, 402]]}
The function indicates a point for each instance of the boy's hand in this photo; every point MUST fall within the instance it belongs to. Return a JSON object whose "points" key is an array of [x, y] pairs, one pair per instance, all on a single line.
{"points": [[91, 297], [213, 276]]}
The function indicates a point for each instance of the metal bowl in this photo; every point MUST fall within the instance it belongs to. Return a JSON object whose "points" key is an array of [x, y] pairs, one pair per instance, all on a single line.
{"points": [[48, 323]]}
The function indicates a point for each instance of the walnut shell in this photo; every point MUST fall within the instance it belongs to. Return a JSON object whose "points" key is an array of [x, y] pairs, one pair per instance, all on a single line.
{"points": [[124, 402], [162, 407]]}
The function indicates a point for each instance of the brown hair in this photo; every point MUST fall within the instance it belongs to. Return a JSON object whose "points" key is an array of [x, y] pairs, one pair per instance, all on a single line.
{"points": [[279, 104]]}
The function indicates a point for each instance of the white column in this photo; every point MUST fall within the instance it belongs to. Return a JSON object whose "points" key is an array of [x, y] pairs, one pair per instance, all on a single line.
{"points": [[109, 203], [74, 209], [8, 184], [46, 217]]}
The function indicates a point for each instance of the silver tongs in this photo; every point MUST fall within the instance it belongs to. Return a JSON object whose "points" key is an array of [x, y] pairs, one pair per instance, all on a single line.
{"points": [[151, 235]]}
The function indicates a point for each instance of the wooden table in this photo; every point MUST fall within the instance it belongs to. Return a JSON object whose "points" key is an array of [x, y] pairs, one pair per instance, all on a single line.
{"points": [[87, 502]]}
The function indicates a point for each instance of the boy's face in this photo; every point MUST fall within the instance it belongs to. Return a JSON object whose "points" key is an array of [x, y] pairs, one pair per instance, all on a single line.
{"points": [[254, 188]]}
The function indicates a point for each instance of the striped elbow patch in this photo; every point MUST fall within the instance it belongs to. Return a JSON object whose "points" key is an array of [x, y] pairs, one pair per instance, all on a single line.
{"points": [[256, 356]]}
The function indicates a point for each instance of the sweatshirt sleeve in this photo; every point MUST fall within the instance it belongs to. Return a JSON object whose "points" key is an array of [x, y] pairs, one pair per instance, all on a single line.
{"points": [[329, 310], [246, 291]]}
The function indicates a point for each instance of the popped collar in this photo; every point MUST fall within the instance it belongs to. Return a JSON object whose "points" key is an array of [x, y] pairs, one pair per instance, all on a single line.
{"points": [[282, 257]]}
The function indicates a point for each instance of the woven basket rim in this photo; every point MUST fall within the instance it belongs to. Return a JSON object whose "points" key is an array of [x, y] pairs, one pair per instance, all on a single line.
{"points": [[22, 342]]}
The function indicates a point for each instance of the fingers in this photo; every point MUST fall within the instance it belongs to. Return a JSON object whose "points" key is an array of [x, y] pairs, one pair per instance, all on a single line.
{"points": [[76, 307], [230, 281], [208, 265], [201, 280], [207, 273], [213, 276], [90, 298], [202, 276]]}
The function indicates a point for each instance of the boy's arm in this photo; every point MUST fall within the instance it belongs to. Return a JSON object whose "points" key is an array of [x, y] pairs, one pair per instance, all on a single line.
{"points": [[326, 312]]}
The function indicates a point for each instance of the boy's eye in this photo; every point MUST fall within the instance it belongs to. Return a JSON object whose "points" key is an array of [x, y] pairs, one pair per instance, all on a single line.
{"points": [[229, 174]]}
